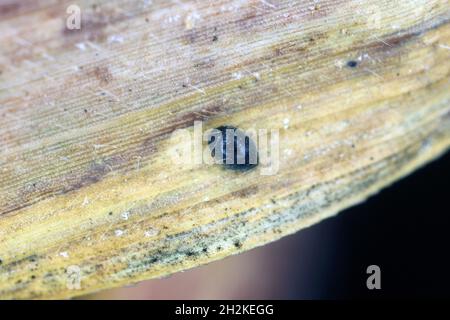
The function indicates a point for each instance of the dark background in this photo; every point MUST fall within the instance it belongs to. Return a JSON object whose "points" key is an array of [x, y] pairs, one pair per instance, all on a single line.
{"points": [[405, 230]]}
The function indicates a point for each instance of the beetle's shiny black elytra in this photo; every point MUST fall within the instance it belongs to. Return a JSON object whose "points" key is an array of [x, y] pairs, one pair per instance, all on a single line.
{"points": [[232, 148]]}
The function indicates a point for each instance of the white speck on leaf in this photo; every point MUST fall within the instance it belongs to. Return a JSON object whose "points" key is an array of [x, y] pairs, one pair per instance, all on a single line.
{"points": [[151, 232], [115, 38], [191, 19], [125, 215], [81, 46], [85, 202], [339, 63], [237, 75]]}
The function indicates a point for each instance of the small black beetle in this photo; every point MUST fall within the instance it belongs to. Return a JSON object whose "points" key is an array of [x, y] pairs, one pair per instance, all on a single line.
{"points": [[231, 147]]}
